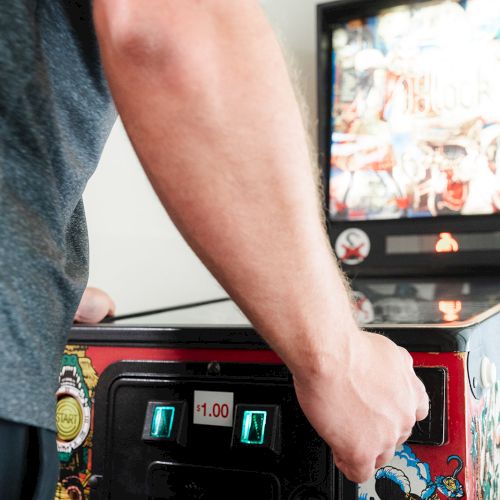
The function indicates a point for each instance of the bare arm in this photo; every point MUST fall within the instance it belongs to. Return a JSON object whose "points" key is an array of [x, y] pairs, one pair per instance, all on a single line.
{"points": [[204, 94], [217, 129]]}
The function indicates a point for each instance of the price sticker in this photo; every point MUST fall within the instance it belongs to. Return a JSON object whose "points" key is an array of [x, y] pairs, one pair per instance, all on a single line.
{"points": [[213, 408]]}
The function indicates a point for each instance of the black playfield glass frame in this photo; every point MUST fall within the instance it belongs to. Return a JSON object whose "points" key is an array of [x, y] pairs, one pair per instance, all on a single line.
{"points": [[379, 262]]}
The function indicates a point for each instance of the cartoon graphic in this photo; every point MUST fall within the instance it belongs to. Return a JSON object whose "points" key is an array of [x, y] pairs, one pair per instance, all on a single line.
{"points": [[450, 486], [77, 380], [363, 308], [409, 478], [352, 246], [416, 125], [393, 483], [490, 147], [446, 243]]}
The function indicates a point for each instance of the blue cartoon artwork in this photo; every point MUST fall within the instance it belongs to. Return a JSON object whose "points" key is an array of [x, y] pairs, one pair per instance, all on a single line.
{"points": [[407, 478], [450, 486]]}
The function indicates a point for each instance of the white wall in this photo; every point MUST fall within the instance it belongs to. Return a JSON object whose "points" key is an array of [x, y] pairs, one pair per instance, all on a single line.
{"points": [[136, 254]]}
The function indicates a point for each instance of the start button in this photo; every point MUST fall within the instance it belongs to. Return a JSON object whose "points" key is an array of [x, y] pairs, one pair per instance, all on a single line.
{"points": [[69, 418]]}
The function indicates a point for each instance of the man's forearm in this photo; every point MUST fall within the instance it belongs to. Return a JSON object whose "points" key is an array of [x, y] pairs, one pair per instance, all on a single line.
{"points": [[204, 94], [206, 99]]}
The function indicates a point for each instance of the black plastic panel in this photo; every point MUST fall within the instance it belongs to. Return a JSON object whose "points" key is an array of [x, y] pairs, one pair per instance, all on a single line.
{"points": [[431, 339], [432, 430], [131, 468], [173, 481], [127, 467]]}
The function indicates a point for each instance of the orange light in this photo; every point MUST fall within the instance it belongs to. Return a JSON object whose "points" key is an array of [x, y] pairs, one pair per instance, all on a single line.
{"points": [[446, 243], [450, 309]]}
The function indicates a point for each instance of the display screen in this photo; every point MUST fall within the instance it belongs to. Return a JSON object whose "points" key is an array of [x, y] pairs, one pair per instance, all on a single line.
{"points": [[416, 112], [422, 302], [405, 244]]}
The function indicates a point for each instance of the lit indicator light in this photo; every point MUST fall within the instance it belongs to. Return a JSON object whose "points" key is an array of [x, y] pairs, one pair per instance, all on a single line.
{"points": [[162, 422], [254, 427], [450, 309], [446, 243]]}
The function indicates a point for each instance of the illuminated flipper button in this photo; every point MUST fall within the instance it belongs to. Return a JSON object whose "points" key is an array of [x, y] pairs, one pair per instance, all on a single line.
{"points": [[257, 427], [162, 422], [166, 421], [254, 427]]}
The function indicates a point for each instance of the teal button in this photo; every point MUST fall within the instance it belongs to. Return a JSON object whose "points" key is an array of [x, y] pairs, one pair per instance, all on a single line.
{"points": [[162, 422], [253, 427]]}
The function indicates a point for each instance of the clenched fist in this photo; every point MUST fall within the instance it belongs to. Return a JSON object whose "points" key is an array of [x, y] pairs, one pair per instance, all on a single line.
{"points": [[364, 403]]}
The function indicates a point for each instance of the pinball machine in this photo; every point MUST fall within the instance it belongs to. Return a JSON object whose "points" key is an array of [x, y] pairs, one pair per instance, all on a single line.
{"points": [[190, 403], [409, 134]]}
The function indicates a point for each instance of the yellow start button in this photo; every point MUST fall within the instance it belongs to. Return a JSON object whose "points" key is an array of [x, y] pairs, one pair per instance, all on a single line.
{"points": [[69, 418]]}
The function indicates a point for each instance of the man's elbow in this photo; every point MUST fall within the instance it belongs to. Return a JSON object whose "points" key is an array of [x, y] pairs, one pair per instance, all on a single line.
{"points": [[131, 34], [193, 48]]}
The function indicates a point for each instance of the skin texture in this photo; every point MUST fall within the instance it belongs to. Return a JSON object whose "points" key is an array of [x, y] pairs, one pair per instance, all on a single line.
{"points": [[94, 306], [205, 97]]}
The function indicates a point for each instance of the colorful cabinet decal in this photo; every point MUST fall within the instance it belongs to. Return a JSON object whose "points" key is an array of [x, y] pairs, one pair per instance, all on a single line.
{"points": [[485, 446], [408, 477], [77, 383]]}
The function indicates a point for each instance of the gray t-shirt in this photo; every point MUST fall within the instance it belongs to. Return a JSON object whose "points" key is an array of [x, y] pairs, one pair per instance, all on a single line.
{"points": [[55, 115]]}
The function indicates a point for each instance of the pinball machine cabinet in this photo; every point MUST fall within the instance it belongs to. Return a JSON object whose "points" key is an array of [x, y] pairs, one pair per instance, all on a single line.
{"points": [[114, 377]]}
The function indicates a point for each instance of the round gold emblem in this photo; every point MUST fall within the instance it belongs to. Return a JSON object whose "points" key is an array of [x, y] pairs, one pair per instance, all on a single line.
{"points": [[69, 418]]}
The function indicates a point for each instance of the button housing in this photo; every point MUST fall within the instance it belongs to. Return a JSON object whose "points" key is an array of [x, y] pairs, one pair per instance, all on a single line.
{"points": [[434, 429], [175, 413], [257, 427]]}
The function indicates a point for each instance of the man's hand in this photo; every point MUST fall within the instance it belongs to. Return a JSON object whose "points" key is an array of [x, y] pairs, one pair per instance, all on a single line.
{"points": [[94, 306], [364, 405]]}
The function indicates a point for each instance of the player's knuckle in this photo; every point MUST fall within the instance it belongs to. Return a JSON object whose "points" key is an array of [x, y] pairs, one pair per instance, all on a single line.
{"points": [[408, 422], [390, 441], [362, 456], [360, 475], [385, 458], [406, 435]]}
